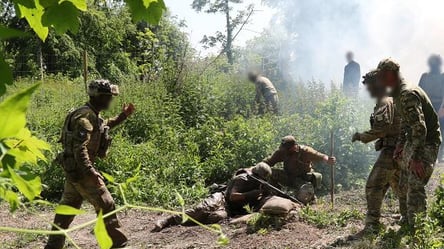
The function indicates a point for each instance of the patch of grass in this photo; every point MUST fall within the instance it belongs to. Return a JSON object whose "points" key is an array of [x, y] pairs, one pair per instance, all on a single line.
{"points": [[262, 224], [323, 217], [21, 241]]}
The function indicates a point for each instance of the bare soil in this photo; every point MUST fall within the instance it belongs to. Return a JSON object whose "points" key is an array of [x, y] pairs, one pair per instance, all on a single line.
{"points": [[137, 225]]}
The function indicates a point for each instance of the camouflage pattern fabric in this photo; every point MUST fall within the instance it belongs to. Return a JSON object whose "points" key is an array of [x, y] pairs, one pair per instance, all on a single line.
{"points": [[265, 89], [82, 142], [421, 138]]}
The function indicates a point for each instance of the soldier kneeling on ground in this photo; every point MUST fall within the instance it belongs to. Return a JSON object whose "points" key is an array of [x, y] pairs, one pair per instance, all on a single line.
{"points": [[298, 173], [241, 191]]}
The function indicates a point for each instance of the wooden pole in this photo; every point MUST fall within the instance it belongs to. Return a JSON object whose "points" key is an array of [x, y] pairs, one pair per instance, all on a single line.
{"points": [[85, 70], [42, 70], [332, 172]]}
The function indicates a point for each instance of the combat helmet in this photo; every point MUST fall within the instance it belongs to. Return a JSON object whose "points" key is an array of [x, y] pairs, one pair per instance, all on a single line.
{"points": [[370, 77], [102, 87], [262, 170], [288, 141], [388, 65]]}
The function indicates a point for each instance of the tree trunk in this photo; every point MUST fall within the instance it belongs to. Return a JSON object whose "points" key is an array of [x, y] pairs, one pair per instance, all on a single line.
{"points": [[229, 44]]}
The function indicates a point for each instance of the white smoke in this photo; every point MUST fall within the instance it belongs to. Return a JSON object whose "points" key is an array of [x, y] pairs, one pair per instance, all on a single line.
{"points": [[406, 30]]}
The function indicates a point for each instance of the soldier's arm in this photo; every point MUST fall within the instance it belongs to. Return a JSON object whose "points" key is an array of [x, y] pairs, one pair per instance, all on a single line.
{"points": [[314, 155], [82, 129], [421, 81], [415, 120], [237, 196], [258, 96], [117, 120], [275, 158]]}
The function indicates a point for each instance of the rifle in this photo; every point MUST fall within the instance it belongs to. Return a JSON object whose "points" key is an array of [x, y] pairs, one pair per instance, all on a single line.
{"points": [[332, 172], [276, 190]]}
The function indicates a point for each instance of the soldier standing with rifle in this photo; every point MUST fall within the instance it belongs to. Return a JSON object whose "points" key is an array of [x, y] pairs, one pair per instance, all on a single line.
{"points": [[84, 138], [385, 125]]}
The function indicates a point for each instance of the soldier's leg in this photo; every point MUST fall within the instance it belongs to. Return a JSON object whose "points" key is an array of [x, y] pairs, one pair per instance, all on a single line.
{"points": [[416, 194], [402, 195], [375, 190], [273, 103], [93, 189], [70, 197]]}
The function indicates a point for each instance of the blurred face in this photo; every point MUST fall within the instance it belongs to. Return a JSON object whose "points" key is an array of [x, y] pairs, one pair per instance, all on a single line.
{"points": [[252, 77], [349, 57], [376, 89], [435, 65], [389, 79], [102, 102]]}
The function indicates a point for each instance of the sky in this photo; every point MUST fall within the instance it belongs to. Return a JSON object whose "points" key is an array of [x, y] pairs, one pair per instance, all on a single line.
{"points": [[200, 24], [406, 30]]}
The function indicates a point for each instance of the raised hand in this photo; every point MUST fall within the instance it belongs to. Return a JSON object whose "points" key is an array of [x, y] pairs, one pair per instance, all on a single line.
{"points": [[128, 109]]}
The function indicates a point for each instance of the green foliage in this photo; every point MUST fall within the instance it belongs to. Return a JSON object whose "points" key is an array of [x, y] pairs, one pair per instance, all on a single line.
{"points": [[18, 148], [103, 239], [261, 223], [323, 217]]}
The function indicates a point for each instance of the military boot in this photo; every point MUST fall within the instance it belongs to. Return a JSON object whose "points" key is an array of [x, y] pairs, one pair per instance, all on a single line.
{"points": [[369, 229], [166, 222]]}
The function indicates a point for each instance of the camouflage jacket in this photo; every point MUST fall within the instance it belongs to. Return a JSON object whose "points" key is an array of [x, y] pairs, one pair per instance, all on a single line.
{"points": [[241, 183], [296, 164], [419, 121], [264, 88], [82, 138], [385, 124]]}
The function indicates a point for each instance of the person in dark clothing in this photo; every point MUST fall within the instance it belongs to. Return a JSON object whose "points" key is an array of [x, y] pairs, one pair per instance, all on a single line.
{"points": [[352, 76]]}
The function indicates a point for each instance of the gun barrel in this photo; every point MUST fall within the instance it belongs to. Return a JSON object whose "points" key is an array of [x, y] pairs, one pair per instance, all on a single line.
{"points": [[273, 188]]}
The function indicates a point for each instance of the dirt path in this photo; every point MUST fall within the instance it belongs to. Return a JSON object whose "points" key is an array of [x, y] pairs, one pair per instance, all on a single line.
{"points": [[137, 224]]}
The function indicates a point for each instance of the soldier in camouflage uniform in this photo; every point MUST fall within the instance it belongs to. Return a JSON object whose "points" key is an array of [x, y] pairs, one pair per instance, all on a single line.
{"points": [[241, 191], [264, 89], [84, 138], [419, 140], [298, 172], [385, 128]]}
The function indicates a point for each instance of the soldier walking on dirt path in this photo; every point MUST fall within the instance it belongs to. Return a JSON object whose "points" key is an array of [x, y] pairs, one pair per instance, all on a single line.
{"points": [[419, 140], [84, 138], [241, 191], [298, 172], [264, 89], [385, 128]]}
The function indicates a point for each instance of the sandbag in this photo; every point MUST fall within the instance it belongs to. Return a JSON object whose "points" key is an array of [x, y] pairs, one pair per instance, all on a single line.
{"points": [[276, 205]]}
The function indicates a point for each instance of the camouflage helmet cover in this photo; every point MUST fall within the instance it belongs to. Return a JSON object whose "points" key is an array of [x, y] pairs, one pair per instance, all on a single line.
{"points": [[370, 77], [388, 65], [102, 87], [262, 170]]}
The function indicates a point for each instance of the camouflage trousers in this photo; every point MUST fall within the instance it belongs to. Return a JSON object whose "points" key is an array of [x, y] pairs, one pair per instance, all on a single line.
{"points": [[92, 189], [385, 174], [412, 188], [211, 210], [271, 104]]}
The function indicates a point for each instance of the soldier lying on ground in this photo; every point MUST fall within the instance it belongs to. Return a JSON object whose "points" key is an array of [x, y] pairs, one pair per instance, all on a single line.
{"points": [[298, 172], [241, 191], [385, 128], [84, 138]]}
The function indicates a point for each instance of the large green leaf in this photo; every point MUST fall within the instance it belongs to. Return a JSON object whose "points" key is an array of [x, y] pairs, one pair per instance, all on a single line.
{"points": [[62, 17], [6, 76], [102, 236], [34, 17], [80, 4], [13, 113], [11, 197], [30, 188], [68, 210], [26, 148], [148, 10]]}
